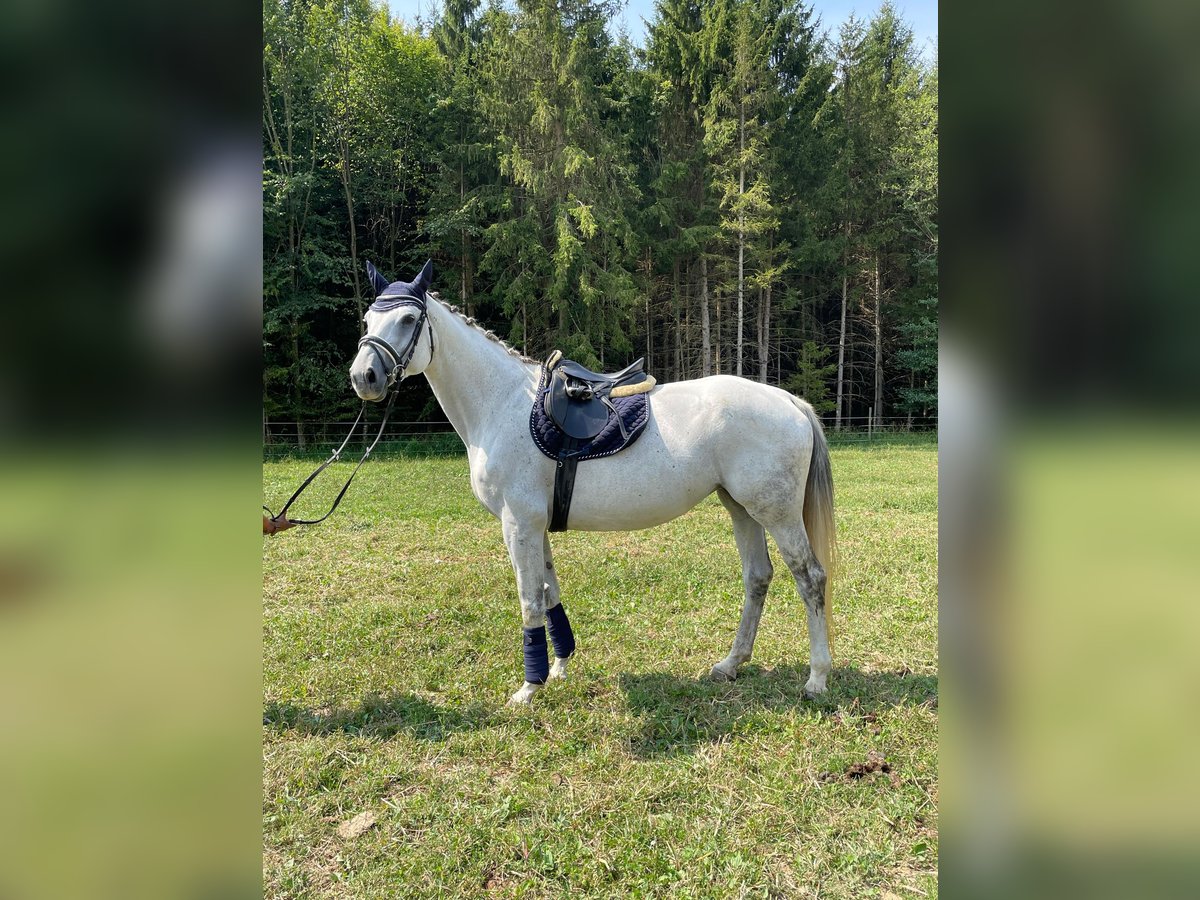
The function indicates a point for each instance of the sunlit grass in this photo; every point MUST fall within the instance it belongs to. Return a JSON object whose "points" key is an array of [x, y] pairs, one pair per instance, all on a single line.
{"points": [[392, 639]]}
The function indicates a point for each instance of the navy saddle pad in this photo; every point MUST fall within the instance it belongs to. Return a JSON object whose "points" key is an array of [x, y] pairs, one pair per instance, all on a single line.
{"points": [[552, 441]]}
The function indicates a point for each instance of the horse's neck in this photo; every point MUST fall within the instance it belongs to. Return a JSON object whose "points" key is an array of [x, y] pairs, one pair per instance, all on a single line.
{"points": [[471, 375]]}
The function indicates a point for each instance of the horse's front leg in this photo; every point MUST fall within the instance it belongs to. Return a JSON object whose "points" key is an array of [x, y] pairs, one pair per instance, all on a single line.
{"points": [[561, 635], [525, 538]]}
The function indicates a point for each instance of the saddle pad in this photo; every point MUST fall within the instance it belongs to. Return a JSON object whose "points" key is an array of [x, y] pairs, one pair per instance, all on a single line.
{"points": [[634, 412]]}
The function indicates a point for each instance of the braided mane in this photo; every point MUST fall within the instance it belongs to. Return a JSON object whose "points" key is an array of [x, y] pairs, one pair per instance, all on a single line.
{"points": [[487, 333]]}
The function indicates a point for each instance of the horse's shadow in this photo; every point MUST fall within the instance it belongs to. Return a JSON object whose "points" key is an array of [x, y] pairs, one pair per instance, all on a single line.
{"points": [[681, 714], [380, 717]]}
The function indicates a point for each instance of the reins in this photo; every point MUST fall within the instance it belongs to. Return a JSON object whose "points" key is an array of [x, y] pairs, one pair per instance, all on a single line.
{"points": [[333, 457], [397, 362]]}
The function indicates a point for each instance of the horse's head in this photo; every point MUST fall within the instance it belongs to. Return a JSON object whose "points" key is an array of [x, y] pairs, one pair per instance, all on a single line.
{"points": [[398, 342]]}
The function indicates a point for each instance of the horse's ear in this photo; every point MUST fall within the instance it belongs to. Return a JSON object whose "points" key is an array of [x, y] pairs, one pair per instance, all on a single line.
{"points": [[423, 280], [378, 282]]}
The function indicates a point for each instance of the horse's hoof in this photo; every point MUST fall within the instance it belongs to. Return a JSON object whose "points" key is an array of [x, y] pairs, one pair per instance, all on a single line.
{"points": [[814, 689], [559, 669], [524, 696], [722, 675]]}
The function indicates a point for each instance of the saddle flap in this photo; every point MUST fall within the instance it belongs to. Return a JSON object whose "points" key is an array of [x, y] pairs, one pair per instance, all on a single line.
{"points": [[581, 420]]}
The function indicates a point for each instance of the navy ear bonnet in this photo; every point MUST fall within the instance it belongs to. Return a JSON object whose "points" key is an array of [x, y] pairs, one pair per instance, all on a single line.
{"points": [[399, 293]]}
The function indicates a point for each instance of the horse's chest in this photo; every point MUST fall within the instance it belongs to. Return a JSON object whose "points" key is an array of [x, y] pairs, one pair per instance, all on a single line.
{"points": [[498, 478], [486, 484]]}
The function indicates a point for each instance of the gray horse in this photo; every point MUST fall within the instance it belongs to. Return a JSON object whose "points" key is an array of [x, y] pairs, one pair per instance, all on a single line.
{"points": [[760, 448]]}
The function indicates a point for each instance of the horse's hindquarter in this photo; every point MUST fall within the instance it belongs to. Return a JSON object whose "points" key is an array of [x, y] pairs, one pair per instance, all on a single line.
{"points": [[713, 432]]}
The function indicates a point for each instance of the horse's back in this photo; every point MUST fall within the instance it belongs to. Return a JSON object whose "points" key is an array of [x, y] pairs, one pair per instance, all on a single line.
{"points": [[719, 431]]}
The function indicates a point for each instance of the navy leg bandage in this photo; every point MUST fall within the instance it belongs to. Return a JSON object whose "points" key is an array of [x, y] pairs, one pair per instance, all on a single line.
{"points": [[560, 631], [537, 663]]}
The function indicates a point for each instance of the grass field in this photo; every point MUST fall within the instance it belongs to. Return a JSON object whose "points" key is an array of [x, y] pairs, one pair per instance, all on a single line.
{"points": [[392, 639]]}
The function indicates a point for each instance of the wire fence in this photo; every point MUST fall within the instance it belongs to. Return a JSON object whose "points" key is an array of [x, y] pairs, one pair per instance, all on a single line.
{"points": [[283, 440]]}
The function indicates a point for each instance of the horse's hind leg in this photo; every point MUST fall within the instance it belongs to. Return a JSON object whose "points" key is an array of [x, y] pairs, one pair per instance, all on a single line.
{"points": [[756, 577], [797, 552]]}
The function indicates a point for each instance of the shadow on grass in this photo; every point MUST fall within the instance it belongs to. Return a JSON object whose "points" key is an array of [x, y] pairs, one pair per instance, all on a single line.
{"points": [[382, 717], [681, 714]]}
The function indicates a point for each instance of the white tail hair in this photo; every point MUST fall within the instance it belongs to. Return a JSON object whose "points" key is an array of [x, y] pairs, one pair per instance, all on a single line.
{"points": [[818, 507]]}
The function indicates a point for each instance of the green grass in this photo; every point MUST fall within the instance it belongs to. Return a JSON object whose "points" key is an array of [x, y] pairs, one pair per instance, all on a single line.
{"points": [[392, 639]]}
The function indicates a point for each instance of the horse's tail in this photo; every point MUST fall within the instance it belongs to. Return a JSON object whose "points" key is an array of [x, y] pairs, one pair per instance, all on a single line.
{"points": [[818, 506]]}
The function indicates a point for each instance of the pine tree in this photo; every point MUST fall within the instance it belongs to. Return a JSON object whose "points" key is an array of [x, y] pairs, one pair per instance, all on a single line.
{"points": [[299, 242], [467, 195], [346, 104], [564, 243], [891, 82], [917, 159], [737, 132], [683, 214], [843, 188]]}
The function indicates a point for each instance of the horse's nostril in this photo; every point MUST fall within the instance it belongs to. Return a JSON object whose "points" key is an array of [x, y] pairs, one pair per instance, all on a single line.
{"points": [[370, 376]]}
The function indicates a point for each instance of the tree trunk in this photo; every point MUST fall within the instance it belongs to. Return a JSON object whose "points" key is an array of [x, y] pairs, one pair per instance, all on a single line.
{"points": [[764, 337], [720, 330], [465, 297], [878, 405], [675, 313], [837, 422], [392, 241], [758, 332], [687, 323], [666, 350], [912, 383], [295, 367], [649, 337], [705, 328], [741, 233], [362, 327], [465, 288]]}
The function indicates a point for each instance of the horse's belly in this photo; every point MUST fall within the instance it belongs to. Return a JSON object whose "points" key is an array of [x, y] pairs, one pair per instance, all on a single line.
{"points": [[641, 487]]}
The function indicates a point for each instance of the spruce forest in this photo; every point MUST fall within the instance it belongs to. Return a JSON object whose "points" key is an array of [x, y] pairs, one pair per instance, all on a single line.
{"points": [[754, 193]]}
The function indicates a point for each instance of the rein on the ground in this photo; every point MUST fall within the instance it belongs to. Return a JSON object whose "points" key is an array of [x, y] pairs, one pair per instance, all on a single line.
{"points": [[281, 517]]}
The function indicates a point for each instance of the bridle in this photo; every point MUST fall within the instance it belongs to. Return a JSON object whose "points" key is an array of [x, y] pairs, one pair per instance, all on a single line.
{"points": [[396, 363]]}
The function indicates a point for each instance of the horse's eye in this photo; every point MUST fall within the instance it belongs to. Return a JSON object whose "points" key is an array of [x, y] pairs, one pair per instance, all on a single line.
{"points": [[408, 320]]}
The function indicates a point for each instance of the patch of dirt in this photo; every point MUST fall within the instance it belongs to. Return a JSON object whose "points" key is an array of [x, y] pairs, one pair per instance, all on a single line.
{"points": [[357, 826], [875, 762], [495, 880], [869, 719]]}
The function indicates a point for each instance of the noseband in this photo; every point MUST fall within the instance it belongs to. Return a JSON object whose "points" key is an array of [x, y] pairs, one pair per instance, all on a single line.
{"points": [[396, 364]]}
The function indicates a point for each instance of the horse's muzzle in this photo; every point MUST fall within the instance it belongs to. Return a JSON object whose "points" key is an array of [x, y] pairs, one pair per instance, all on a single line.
{"points": [[367, 376]]}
